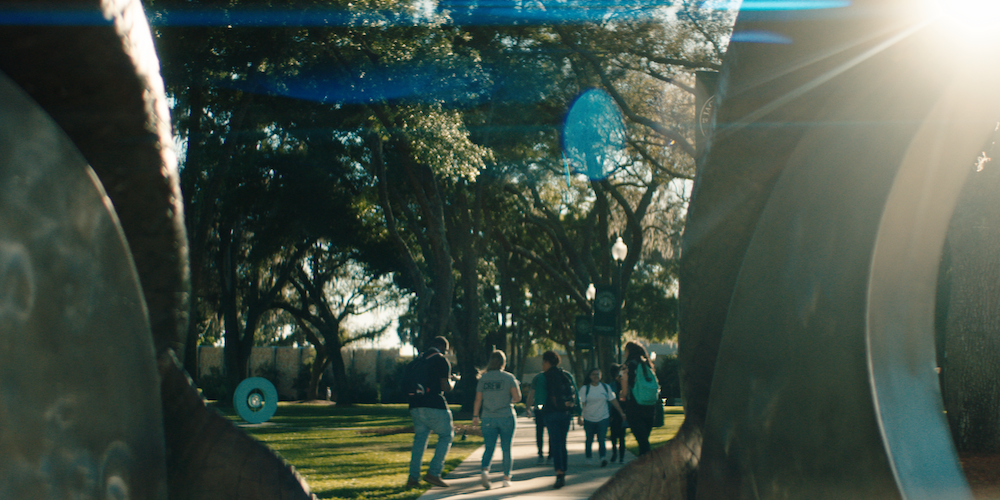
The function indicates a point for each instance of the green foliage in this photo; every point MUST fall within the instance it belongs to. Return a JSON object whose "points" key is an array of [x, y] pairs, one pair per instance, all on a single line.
{"points": [[214, 387], [301, 383], [669, 377], [431, 151], [651, 306], [392, 383], [362, 391], [267, 370]]}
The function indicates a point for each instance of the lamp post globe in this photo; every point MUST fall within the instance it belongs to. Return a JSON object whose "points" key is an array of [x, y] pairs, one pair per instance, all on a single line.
{"points": [[619, 250], [591, 292]]}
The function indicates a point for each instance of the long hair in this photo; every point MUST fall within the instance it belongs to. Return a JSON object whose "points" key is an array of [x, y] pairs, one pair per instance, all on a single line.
{"points": [[498, 360], [637, 352]]}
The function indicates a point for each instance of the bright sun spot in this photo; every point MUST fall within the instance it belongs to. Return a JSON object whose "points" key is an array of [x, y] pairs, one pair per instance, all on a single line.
{"points": [[967, 21]]}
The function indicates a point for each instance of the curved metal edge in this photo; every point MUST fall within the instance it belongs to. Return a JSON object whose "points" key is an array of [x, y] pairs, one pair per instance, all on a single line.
{"points": [[62, 402], [796, 409], [902, 288], [101, 85]]}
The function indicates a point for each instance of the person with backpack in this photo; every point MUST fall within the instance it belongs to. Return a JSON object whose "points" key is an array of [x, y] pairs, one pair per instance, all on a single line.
{"points": [[496, 393], [640, 391], [617, 423], [560, 403], [427, 378], [595, 399]]}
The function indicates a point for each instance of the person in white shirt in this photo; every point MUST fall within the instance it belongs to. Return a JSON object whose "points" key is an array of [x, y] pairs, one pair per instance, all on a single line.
{"points": [[597, 398]]}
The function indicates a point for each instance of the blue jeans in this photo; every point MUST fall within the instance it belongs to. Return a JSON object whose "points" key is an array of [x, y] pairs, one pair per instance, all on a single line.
{"points": [[426, 420], [492, 429], [599, 429], [557, 423]]}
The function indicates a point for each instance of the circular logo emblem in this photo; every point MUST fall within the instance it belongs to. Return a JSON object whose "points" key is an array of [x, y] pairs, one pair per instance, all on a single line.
{"points": [[605, 301]]}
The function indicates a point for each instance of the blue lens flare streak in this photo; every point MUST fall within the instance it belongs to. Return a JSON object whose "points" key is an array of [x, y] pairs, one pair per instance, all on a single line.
{"points": [[460, 12]]}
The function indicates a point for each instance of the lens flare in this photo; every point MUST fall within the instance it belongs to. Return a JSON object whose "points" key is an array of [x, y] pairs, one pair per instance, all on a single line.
{"points": [[968, 24]]}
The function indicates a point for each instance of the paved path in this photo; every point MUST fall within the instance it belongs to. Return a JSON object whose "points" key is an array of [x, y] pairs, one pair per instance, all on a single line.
{"points": [[529, 480]]}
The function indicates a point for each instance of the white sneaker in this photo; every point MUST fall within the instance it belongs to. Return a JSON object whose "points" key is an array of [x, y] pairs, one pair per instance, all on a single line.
{"points": [[484, 479], [506, 482]]}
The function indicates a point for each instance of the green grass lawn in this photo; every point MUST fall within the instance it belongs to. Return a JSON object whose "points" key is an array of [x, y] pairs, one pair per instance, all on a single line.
{"points": [[363, 452], [359, 453], [673, 417]]}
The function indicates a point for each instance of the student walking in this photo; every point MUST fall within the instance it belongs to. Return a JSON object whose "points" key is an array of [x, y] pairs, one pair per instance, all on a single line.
{"points": [[596, 398], [496, 393], [561, 401], [617, 423], [429, 410], [640, 416]]}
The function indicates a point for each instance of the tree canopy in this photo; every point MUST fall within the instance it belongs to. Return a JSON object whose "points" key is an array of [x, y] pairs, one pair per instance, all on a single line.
{"points": [[484, 158]]}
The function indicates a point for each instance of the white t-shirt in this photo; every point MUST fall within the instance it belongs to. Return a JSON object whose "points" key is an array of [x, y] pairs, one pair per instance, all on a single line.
{"points": [[595, 401]]}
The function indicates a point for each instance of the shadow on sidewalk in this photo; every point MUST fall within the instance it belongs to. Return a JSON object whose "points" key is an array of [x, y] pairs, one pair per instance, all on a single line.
{"points": [[529, 480]]}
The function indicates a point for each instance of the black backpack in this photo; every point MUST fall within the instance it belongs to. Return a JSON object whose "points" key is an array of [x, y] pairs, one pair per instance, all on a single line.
{"points": [[417, 374], [561, 393]]}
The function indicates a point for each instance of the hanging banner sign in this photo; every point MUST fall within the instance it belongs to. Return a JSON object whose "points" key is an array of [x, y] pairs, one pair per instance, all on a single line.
{"points": [[584, 335], [605, 311]]}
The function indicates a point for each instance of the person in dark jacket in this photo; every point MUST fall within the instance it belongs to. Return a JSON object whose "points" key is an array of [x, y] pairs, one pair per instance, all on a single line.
{"points": [[640, 417], [430, 413], [558, 412]]}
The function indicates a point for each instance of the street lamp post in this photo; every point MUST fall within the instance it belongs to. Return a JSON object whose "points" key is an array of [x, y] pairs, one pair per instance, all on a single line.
{"points": [[591, 294], [618, 252]]}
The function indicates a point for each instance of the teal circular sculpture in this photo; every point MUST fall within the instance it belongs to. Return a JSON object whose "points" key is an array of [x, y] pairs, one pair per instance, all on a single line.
{"points": [[256, 400]]}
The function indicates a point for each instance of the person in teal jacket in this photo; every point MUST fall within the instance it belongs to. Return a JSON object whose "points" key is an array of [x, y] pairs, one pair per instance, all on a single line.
{"points": [[536, 400]]}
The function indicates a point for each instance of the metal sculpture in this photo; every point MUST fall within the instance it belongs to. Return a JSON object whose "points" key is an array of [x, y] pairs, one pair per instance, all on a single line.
{"points": [[810, 259], [79, 398], [255, 400], [824, 384], [90, 66]]}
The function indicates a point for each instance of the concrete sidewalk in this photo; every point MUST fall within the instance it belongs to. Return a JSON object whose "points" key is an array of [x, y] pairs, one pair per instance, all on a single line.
{"points": [[528, 480]]}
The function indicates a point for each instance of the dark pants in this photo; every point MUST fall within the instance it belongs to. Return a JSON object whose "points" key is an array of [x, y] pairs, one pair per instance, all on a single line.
{"points": [[597, 430], [640, 420], [617, 427], [540, 433], [557, 423]]}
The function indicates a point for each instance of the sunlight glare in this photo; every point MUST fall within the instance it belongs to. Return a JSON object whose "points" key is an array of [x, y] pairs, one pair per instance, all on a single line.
{"points": [[966, 23]]}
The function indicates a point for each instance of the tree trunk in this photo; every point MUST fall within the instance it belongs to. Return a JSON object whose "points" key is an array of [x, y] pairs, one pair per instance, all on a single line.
{"points": [[970, 367], [667, 472], [197, 253], [320, 363], [340, 376], [236, 368], [434, 285]]}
